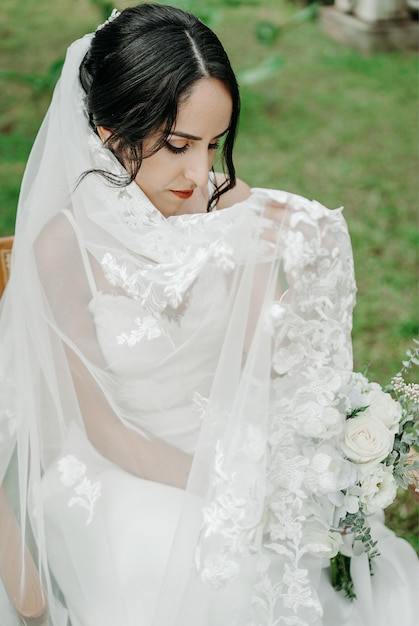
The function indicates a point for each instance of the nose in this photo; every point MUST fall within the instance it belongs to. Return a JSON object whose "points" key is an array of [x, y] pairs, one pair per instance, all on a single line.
{"points": [[197, 168]]}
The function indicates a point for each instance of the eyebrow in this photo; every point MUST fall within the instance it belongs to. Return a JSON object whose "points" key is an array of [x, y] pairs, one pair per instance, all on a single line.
{"points": [[188, 136]]}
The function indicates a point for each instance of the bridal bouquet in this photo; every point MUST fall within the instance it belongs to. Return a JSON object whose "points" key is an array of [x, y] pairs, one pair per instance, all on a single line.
{"points": [[380, 435], [328, 475]]}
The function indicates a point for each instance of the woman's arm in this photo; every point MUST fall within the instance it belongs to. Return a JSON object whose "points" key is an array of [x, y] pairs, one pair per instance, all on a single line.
{"points": [[68, 291], [152, 459]]}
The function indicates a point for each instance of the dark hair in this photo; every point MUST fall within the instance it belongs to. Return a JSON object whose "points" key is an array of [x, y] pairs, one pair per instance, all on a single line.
{"points": [[140, 67]]}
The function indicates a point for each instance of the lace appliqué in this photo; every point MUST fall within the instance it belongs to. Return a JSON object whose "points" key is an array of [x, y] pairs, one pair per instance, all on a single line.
{"points": [[164, 287], [312, 360], [147, 327], [218, 569], [214, 418], [232, 519], [160, 286], [282, 513], [73, 474]]}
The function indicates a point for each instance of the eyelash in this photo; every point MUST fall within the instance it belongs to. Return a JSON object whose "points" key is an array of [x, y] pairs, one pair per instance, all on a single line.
{"points": [[174, 150]]}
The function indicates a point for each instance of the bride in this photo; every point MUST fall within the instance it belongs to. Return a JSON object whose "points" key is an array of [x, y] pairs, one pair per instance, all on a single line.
{"points": [[174, 348]]}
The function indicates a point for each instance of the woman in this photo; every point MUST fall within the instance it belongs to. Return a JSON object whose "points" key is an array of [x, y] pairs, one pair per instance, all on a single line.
{"points": [[159, 355]]}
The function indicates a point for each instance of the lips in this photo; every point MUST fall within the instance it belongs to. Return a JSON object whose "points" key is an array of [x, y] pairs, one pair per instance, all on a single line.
{"points": [[183, 194]]}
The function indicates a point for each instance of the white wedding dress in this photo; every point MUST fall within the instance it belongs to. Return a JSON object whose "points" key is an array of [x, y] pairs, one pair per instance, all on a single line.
{"points": [[126, 546], [109, 533], [226, 335]]}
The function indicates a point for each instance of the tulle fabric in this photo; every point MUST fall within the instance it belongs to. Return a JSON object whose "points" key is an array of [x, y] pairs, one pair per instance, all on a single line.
{"points": [[148, 367]]}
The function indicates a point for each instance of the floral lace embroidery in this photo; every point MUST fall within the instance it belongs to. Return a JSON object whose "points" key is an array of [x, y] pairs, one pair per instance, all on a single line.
{"points": [[232, 520], [176, 277], [164, 285], [312, 357], [218, 569], [147, 327], [214, 417], [310, 327], [73, 474]]}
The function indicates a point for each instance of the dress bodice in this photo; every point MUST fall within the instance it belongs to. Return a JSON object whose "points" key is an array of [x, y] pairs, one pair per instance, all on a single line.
{"points": [[160, 362]]}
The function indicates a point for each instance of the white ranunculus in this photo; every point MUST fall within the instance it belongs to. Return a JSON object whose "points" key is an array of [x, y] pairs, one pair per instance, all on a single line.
{"points": [[318, 422], [366, 439], [378, 489], [321, 543], [329, 472], [360, 389], [383, 408]]}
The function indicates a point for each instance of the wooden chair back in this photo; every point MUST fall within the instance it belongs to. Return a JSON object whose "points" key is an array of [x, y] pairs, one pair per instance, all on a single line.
{"points": [[6, 244]]}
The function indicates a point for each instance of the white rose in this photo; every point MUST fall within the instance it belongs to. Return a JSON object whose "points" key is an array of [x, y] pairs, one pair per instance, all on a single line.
{"points": [[323, 544], [378, 489], [383, 408], [366, 439]]}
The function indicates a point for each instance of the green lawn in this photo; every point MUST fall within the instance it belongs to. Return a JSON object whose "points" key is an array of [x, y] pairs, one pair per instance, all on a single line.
{"points": [[332, 125]]}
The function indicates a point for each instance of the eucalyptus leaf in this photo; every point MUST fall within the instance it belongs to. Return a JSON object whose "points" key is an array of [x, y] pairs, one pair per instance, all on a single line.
{"points": [[357, 411]]}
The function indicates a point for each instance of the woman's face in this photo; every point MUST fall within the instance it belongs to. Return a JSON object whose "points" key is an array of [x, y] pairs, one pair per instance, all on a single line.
{"points": [[175, 178]]}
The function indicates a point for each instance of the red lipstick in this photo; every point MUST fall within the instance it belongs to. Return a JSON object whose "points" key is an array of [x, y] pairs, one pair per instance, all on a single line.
{"points": [[183, 194]]}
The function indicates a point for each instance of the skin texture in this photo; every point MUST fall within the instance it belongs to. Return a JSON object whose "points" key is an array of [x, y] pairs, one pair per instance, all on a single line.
{"points": [[183, 165]]}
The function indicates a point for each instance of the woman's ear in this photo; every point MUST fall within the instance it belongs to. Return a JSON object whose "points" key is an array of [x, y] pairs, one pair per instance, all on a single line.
{"points": [[104, 133]]}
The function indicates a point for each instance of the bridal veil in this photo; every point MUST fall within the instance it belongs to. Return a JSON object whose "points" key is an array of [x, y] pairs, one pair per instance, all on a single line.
{"points": [[219, 338]]}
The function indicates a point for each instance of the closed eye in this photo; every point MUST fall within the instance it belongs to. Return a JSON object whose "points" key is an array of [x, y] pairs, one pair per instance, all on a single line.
{"points": [[174, 149], [181, 150]]}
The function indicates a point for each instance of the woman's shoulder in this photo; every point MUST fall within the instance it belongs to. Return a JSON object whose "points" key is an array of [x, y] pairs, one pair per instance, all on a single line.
{"points": [[240, 192], [56, 244]]}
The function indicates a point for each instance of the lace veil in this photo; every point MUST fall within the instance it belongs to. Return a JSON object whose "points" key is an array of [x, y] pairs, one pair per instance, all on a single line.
{"points": [[249, 310]]}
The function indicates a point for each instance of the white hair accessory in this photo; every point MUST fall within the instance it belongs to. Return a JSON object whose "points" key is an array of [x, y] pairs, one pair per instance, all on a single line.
{"points": [[115, 13]]}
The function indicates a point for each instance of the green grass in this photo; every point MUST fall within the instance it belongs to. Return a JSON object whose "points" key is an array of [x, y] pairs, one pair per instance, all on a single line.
{"points": [[332, 125], [343, 129]]}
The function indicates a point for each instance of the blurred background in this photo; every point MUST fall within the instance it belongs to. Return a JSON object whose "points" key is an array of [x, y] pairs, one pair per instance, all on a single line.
{"points": [[320, 119]]}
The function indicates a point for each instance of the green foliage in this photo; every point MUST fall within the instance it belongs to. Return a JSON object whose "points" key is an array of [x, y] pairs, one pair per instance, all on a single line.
{"points": [[38, 82], [341, 578], [267, 69], [340, 575], [104, 6], [361, 533], [403, 515], [266, 33], [357, 411]]}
